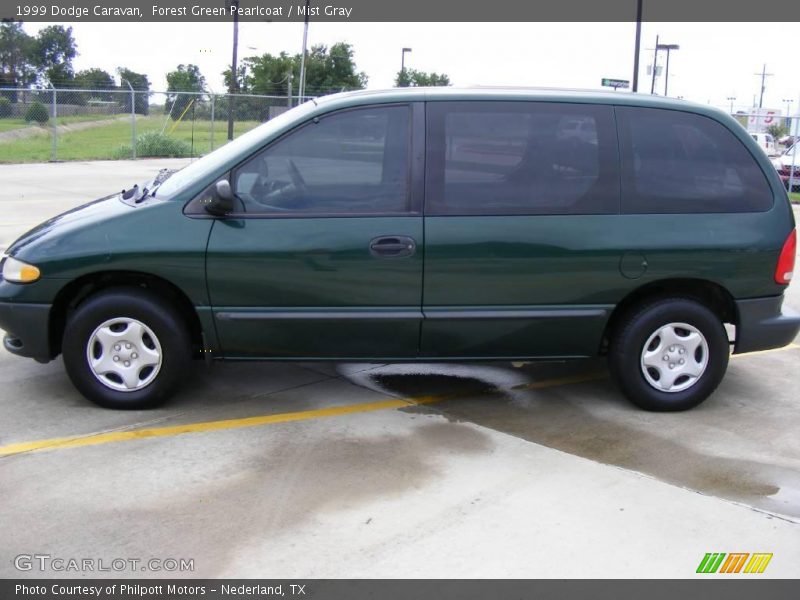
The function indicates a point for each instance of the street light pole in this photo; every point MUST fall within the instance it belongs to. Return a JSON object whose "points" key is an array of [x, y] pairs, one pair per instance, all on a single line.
{"points": [[788, 102], [403, 63], [668, 48], [636, 46], [731, 99]]}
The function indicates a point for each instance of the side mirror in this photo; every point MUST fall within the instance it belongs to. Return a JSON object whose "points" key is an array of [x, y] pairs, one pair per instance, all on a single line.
{"points": [[221, 201]]}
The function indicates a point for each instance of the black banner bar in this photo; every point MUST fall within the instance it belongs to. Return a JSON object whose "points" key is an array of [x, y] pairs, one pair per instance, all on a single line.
{"points": [[343, 589], [399, 10]]}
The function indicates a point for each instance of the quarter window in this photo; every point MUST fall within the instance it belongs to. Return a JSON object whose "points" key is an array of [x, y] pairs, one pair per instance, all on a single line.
{"points": [[496, 158], [677, 162], [349, 162]]}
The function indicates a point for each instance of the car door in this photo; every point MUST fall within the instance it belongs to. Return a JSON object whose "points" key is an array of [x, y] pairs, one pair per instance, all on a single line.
{"points": [[522, 248], [323, 258]]}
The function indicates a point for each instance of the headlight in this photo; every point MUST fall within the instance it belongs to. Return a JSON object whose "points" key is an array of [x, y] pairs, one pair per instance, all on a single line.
{"points": [[17, 271]]}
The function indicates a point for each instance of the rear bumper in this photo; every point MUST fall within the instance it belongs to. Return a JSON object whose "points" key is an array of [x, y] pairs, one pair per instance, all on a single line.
{"points": [[27, 329], [764, 323]]}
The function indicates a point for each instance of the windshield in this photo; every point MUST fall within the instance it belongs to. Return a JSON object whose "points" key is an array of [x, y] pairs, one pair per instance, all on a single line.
{"points": [[219, 158]]}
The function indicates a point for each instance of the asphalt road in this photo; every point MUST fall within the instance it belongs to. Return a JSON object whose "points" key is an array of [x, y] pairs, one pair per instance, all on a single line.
{"points": [[366, 470]]}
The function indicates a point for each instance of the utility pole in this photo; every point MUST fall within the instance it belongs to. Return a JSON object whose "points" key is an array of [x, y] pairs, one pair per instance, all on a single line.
{"points": [[302, 91], [731, 99], [764, 76], [234, 87], [637, 45], [655, 67], [289, 94]]}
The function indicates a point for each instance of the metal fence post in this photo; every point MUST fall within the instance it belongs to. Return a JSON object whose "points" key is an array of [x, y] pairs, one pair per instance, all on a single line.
{"points": [[54, 151], [133, 118], [794, 129], [212, 119]]}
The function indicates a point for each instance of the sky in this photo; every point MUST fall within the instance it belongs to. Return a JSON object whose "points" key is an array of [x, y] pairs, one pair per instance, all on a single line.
{"points": [[715, 61]]}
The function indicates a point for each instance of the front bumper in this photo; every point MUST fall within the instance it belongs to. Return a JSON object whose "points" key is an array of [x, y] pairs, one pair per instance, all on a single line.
{"points": [[27, 329], [764, 323]]}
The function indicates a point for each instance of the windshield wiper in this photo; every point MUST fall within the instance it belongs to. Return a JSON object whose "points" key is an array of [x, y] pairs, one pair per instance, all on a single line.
{"points": [[138, 195]]}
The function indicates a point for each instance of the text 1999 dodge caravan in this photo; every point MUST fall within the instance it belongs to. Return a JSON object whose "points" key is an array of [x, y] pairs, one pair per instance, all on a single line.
{"points": [[426, 225]]}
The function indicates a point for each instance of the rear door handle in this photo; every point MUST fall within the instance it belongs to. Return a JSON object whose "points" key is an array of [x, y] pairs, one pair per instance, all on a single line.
{"points": [[392, 246]]}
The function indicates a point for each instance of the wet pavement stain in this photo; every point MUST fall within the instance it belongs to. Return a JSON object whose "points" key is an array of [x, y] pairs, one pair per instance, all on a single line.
{"points": [[555, 418], [259, 495]]}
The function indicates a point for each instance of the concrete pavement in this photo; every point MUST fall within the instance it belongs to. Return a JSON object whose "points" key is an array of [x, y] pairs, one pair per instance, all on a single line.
{"points": [[538, 471]]}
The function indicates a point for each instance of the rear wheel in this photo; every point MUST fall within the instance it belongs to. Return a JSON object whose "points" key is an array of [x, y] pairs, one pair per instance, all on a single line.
{"points": [[126, 348], [669, 355]]}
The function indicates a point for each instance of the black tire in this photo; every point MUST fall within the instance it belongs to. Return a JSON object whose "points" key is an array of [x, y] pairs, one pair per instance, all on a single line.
{"points": [[635, 330], [154, 313]]}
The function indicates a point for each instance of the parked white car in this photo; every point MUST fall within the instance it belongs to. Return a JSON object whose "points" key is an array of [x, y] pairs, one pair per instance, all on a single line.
{"points": [[784, 165], [766, 141]]}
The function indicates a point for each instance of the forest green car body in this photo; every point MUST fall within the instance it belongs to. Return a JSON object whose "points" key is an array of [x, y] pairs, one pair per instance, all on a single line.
{"points": [[476, 287]]}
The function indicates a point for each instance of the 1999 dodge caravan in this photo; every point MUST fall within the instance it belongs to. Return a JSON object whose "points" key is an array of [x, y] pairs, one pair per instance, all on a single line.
{"points": [[425, 225]]}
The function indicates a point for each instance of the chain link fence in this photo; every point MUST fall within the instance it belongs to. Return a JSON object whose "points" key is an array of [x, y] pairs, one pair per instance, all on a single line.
{"points": [[90, 124], [93, 124]]}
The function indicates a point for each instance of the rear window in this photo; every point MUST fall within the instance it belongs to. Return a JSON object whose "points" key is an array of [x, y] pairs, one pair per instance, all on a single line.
{"points": [[499, 158], [677, 162]]}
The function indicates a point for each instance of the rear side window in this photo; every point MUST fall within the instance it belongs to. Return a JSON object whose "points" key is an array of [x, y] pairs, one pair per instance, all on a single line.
{"points": [[677, 162], [498, 158]]}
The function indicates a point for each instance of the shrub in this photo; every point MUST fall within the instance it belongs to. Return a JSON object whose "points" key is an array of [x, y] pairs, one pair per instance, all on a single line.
{"points": [[37, 112], [777, 130], [5, 107], [155, 144]]}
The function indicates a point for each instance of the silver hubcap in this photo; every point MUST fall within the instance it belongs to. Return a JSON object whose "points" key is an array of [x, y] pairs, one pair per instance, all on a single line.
{"points": [[674, 357], [124, 354]]}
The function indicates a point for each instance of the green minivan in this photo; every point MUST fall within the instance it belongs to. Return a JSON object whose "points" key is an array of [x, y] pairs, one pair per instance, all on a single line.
{"points": [[431, 225]]}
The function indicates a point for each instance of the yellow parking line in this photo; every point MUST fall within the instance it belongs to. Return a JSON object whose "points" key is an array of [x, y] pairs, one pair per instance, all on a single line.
{"points": [[547, 383], [335, 411], [138, 434]]}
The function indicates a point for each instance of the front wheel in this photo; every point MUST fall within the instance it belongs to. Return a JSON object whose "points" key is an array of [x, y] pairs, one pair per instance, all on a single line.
{"points": [[669, 355], [125, 348]]}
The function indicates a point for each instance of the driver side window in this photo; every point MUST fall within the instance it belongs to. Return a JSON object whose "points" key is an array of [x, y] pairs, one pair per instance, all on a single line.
{"points": [[349, 162]]}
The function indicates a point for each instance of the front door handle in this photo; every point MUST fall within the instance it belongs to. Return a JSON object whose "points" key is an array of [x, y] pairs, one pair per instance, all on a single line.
{"points": [[392, 246]]}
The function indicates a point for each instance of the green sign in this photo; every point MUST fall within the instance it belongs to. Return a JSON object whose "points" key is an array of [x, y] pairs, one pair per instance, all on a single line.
{"points": [[616, 83]]}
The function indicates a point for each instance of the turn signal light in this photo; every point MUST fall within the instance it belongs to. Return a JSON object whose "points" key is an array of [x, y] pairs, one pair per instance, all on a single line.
{"points": [[17, 271]]}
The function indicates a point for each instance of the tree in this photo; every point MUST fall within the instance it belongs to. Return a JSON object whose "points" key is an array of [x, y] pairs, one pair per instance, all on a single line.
{"points": [[328, 70], [334, 70], [16, 67], [186, 78], [139, 83], [268, 74], [414, 78], [95, 79], [777, 130], [54, 48]]}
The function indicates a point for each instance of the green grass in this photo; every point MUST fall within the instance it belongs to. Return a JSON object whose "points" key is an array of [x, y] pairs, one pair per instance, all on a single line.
{"points": [[11, 124], [102, 142], [795, 197]]}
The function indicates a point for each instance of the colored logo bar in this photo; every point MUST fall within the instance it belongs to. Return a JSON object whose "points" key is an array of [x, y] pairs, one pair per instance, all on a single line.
{"points": [[734, 562]]}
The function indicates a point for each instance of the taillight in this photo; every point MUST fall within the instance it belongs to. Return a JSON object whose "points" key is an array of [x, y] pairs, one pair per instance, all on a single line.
{"points": [[785, 268]]}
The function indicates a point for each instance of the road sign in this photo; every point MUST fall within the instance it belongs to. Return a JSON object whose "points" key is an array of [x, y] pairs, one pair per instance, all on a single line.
{"points": [[616, 83]]}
